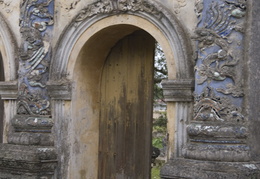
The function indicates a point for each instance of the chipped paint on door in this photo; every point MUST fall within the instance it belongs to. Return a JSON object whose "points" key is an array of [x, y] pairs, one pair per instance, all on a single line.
{"points": [[126, 109], [1, 101]]}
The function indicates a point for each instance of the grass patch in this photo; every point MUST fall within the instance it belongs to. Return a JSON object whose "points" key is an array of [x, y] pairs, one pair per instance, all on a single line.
{"points": [[155, 173]]}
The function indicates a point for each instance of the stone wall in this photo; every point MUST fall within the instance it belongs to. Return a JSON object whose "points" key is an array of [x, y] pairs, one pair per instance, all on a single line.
{"points": [[54, 50]]}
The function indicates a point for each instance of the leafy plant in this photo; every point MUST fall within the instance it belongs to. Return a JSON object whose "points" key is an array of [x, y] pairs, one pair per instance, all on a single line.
{"points": [[158, 142]]}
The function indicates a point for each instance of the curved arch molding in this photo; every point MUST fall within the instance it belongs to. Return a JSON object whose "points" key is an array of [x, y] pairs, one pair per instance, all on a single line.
{"points": [[152, 12], [168, 31], [8, 46]]}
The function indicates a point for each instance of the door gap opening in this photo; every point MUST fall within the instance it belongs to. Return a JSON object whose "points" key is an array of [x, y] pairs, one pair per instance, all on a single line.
{"points": [[159, 128]]}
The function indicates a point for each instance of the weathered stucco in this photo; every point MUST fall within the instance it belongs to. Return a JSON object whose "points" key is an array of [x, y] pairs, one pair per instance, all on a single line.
{"points": [[10, 10], [67, 10], [83, 62], [53, 55]]}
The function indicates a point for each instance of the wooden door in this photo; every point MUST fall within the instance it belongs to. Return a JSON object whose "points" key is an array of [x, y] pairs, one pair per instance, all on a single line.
{"points": [[1, 101], [126, 109]]}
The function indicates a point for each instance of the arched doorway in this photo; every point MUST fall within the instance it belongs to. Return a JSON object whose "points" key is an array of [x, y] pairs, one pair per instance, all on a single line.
{"points": [[8, 75], [79, 60], [1, 101], [126, 108], [112, 104]]}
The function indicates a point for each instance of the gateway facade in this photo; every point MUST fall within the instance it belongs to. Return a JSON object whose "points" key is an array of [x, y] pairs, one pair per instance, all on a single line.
{"points": [[76, 83]]}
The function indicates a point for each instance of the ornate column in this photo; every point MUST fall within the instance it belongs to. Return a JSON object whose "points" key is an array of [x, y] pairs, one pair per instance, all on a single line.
{"points": [[218, 135], [219, 130], [30, 151]]}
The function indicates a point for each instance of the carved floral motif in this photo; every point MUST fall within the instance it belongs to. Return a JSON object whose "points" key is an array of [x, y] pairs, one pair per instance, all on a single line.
{"points": [[219, 84], [209, 107], [222, 19], [179, 4], [36, 18], [7, 5], [72, 5], [94, 9], [115, 6]]}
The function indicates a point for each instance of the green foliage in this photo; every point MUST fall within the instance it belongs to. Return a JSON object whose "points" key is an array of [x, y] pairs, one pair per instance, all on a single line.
{"points": [[160, 72], [155, 173], [157, 92], [159, 130], [161, 121], [157, 142]]}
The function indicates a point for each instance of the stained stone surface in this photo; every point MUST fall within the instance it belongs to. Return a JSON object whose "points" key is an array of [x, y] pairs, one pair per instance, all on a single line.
{"points": [[211, 136], [253, 100], [195, 169], [48, 133], [20, 162], [219, 83]]}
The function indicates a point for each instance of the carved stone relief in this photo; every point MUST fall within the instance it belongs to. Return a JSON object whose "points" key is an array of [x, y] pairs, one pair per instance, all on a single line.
{"points": [[32, 126], [223, 18], [199, 8], [218, 115], [219, 30], [7, 5], [35, 25], [179, 4], [209, 107], [72, 5], [110, 6]]}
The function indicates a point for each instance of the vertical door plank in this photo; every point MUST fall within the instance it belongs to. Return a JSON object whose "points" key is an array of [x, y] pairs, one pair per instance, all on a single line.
{"points": [[126, 109], [1, 101]]}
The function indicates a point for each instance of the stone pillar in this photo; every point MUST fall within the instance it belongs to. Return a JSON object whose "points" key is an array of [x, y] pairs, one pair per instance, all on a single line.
{"points": [[60, 94], [179, 97], [8, 91], [30, 151], [253, 82], [221, 136]]}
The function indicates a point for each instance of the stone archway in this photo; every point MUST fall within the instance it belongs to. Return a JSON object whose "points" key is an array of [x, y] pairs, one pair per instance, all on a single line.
{"points": [[75, 78], [87, 106], [8, 75], [8, 49]]}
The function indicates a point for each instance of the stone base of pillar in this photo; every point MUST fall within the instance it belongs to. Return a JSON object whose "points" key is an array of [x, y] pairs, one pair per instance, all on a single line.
{"points": [[30, 162], [196, 169]]}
